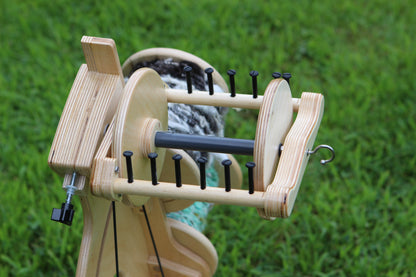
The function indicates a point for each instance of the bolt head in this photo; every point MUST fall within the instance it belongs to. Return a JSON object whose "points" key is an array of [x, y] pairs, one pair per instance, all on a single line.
{"points": [[152, 155], [226, 162], [231, 72], [250, 165], [202, 160], [177, 157], [276, 75], [254, 73]]}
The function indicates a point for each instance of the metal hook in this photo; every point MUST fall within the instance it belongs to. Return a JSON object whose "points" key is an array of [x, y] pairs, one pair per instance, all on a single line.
{"points": [[323, 162]]}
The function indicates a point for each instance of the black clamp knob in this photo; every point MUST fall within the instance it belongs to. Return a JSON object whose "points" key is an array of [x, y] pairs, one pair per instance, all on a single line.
{"points": [[66, 213]]}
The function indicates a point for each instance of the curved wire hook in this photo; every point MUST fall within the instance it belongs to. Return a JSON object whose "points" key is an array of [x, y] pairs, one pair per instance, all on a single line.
{"points": [[323, 162]]}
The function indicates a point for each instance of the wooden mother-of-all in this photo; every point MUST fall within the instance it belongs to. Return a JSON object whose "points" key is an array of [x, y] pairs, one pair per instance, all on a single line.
{"points": [[104, 117]]}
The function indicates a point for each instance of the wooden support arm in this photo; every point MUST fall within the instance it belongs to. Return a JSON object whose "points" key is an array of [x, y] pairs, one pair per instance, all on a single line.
{"points": [[281, 194], [189, 192]]}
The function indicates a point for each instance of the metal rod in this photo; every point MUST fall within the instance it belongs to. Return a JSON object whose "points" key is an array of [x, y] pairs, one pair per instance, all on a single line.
{"points": [[204, 143]]}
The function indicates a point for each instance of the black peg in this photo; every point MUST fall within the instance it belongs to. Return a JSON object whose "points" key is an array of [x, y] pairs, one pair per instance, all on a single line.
{"points": [[152, 156], [232, 73], [287, 76], [202, 161], [209, 71], [250, 166], [254, 75], [188, 70], [127, 155], [280, 149], [177, 158], [227, 178], [276, 75]]}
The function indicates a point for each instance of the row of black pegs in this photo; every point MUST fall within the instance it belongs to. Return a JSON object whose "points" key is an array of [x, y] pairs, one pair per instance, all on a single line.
{"points": [[231, 73], [178, 179]]}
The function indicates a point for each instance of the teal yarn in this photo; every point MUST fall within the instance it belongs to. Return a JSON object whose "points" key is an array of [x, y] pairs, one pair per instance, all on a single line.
{"points": [[196, 214]]}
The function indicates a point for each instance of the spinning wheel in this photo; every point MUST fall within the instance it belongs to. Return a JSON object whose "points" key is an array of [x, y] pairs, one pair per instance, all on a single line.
{"points": [[114, 150]]}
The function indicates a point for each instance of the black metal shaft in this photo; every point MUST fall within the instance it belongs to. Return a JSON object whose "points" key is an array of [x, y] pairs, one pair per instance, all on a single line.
{"points": [[287, 77], [188, 70], [227, 176], [231, 73], [128, 155], [204, 143], [152, 157], [203, 180], [250, 166], [254, 75], [209, 72], [177, 158]]}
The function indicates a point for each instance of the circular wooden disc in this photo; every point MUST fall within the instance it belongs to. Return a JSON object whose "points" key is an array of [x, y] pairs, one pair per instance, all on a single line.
{"points": [[174, 54], [143, 97], [274, 121]]}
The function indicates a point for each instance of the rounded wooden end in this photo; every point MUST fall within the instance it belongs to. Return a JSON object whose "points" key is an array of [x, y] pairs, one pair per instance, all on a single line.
{"points": [[143, 98]]}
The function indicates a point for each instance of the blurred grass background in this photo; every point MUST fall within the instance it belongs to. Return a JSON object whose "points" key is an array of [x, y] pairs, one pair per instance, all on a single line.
{"points": [[354, 217]]}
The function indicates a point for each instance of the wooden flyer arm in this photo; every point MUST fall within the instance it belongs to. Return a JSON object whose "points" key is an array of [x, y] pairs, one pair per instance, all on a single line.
{"points": [[281, 194]]}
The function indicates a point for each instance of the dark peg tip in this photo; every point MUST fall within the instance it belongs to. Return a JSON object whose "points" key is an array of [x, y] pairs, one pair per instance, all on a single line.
{"points": [[226, 162], [287, 76], [127, 153], [254, 73], [202, 160], [250, 165], [280, 149], [152, 155], [231, 72], [177, 157], [276, 75], [187, 68], [209, 70]]}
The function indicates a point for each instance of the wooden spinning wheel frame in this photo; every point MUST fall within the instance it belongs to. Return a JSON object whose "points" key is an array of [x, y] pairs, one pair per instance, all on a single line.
{"points": [[103, 118]]}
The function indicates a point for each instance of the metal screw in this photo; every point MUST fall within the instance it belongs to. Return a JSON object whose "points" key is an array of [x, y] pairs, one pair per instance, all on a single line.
{"points": [[177, 158], [128, 155], [202, 161], [287, 76], [254, 75], [209, 71], [250, 166], [188, 70], [276, 75], [227, 178], [152, 156], [232, 73]]}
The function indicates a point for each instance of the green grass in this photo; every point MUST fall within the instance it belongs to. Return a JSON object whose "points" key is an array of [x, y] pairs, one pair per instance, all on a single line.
{"points": [[354, 217]]}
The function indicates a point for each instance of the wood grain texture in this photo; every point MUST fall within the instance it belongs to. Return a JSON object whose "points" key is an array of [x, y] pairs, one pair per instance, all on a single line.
{"points": [[281, 194], [273, 123], [143, 98], [90, 106], [103, 118]]}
